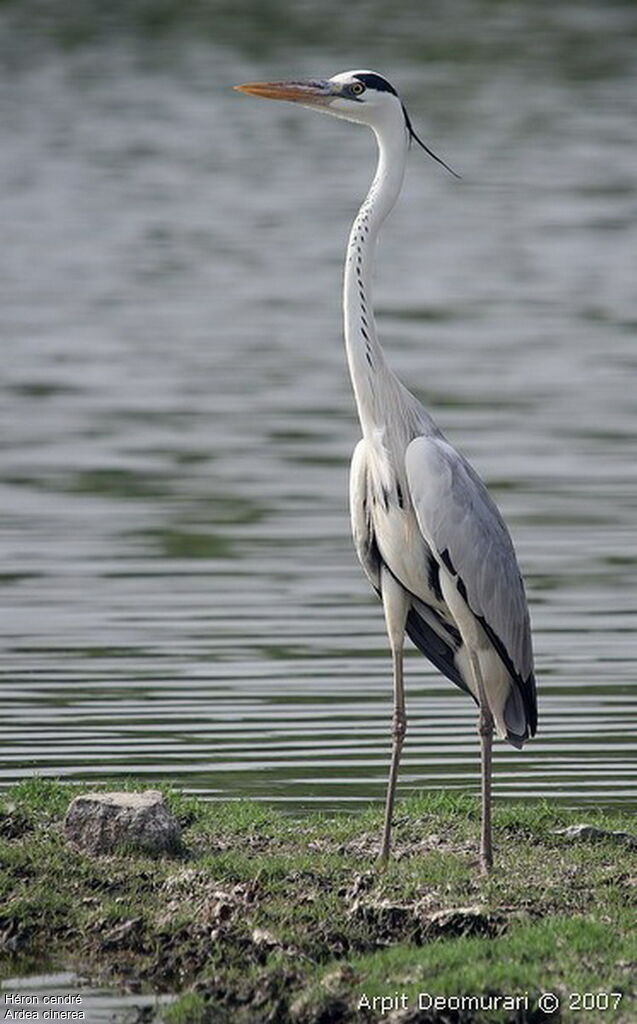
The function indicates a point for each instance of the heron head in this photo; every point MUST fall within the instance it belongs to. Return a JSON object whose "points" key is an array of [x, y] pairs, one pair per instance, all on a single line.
{"points": [[361, 96]]}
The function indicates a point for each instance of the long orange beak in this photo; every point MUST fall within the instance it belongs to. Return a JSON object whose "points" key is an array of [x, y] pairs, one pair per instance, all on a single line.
{"points": [[309, 93]]}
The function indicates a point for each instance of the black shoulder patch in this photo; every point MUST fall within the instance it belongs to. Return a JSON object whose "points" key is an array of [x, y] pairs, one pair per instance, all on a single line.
{"points": [[377, 82], [433, 577], [446, 558]]}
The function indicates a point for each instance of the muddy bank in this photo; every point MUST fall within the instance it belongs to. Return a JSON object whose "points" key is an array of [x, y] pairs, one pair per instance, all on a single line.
{"points": [[256, 917]]}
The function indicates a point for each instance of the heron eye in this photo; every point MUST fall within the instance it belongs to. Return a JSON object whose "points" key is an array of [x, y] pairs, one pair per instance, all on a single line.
{"points": [[357, 88]]}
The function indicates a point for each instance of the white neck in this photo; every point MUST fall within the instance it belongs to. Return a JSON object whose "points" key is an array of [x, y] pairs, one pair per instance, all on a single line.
{"points": [[364, 354]]}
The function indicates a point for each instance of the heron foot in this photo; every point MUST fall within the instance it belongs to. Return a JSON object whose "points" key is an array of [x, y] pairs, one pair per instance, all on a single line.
{"points": [[486, 855], [486, 865], [382, 859], [381, 863]]}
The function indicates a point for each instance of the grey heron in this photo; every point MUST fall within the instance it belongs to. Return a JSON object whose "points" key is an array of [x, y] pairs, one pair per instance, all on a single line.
{"points": [[427, 533]]}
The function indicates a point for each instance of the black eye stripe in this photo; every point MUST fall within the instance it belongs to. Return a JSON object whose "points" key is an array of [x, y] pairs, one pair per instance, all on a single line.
{"points": [[377, 82]]}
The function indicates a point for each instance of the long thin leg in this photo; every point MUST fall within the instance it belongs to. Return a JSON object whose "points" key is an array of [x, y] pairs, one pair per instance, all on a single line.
{"points": [[485, 730], [486, 742], [396, 606], [399, 728]]}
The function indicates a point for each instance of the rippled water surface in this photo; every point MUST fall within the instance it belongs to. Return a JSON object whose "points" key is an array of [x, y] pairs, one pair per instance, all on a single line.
{"points": [[180, 596]]}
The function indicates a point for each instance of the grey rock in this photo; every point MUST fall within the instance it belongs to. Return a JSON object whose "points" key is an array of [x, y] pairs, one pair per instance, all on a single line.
{"points": [[104, 822]]}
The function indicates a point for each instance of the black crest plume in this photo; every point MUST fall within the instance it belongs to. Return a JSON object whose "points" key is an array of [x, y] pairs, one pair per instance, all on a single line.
{"points": [[412, 135]]}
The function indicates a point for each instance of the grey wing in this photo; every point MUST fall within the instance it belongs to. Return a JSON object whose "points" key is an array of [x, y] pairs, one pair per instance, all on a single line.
{"points": [[468, 536]]}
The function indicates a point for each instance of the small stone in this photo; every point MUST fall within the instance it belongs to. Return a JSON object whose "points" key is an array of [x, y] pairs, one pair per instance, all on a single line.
{"points": [[263, 937], [104, 822], [475, 920], [341, 977], [122, 935], [592, 833]]}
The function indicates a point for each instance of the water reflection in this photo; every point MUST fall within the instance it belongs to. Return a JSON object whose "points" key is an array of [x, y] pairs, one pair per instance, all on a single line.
{"points": [[181, 599], [44, 996]]}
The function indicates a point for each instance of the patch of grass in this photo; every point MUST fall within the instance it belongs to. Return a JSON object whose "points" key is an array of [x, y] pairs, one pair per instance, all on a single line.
{"points": [[189, 1009], [264, 918], [559, 955], [39, 796]]}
